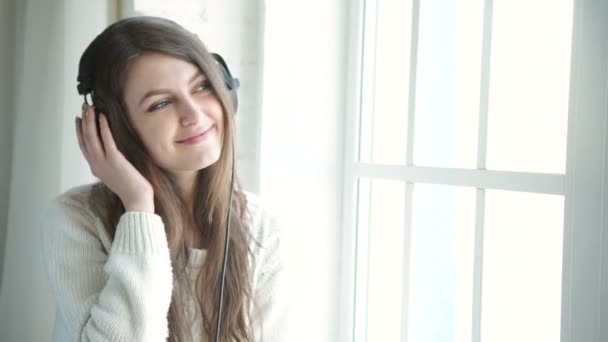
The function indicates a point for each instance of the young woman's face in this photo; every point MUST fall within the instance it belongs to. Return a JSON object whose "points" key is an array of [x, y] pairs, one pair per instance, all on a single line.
{"points": [[169, 100]]}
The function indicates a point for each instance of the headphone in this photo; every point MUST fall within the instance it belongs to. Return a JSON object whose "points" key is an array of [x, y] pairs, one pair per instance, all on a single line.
{"points": [[85, 87]]}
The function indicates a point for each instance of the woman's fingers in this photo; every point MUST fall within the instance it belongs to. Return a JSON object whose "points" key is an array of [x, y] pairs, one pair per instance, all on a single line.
{"points": [[91, 137], [109, 165], [81, 144]]}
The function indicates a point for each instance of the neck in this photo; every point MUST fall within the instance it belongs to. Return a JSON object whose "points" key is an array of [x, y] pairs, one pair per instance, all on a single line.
{"points": [[186, 183]]}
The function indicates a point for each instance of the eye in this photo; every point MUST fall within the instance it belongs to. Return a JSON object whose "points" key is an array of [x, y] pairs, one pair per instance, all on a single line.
{"points": [[203, 86], [158, 105]]}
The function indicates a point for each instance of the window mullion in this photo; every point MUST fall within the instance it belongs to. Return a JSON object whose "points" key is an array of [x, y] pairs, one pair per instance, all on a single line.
{"points": [[409, 194], [478, 265], [484, 89], [544, 183], [409, 158], [362, 215], [367, 95], [482, 144], [347, 300], [409, 161]]}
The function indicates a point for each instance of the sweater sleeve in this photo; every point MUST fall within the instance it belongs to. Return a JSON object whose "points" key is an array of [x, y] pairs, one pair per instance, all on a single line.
{"points": [[118, 295]]}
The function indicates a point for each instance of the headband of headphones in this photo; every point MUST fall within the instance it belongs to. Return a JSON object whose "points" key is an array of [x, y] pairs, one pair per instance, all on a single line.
{"points": [[87, 63]]}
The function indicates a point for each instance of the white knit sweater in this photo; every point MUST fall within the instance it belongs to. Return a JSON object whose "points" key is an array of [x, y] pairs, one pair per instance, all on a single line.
{"points": [[121, 290]]}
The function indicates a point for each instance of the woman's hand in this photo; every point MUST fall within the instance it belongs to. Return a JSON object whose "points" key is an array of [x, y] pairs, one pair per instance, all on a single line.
{"points": [[109, 165]]}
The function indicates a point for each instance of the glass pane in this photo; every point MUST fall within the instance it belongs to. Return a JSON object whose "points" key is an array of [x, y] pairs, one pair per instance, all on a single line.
{"points": [[385, 98], [441, 279], [522, 267], [447, 83], [529, 81], [383, 204]]}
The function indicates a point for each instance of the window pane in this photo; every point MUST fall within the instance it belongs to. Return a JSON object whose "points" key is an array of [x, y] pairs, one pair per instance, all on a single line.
{"points": [[529, 81], [441, 279], [381, 206], [522, 267], [385, 98], [447, 83]]}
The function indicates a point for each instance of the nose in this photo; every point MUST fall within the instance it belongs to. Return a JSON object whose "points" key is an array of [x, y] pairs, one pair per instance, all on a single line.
{"points": [[191, 112]]}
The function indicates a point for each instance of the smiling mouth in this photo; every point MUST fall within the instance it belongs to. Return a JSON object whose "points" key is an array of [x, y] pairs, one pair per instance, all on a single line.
{"points": [[197, 138]]}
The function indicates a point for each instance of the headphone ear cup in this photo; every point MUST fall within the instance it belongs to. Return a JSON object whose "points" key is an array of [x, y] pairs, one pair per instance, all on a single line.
{"points": [[231, 83], [235, 100]]}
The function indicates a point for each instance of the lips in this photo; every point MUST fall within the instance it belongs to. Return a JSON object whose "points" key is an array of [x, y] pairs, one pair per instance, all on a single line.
{"points": [[195, 135]]}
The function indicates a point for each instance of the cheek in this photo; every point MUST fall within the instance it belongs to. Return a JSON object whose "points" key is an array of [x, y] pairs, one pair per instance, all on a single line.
{"points": [[155, 138], [217, 111], [218, 115], [221, 125]]}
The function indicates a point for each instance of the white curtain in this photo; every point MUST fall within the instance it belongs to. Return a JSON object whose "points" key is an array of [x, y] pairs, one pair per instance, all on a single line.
{"points": [[44, 157]]}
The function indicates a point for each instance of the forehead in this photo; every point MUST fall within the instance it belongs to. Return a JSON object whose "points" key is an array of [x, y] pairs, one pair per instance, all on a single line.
{"points": [[155, 70]]}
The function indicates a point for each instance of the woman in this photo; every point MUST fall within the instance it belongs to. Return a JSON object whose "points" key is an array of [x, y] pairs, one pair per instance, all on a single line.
{"points": [[138, 256]]}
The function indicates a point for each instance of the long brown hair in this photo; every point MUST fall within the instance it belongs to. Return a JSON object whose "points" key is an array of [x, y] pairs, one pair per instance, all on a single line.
{"points": [[120, 44]]}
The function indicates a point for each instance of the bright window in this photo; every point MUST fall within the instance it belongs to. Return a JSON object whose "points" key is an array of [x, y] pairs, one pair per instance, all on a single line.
{"points": [[457, 170]]}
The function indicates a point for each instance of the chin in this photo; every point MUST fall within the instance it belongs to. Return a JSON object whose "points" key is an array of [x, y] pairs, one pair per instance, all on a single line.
{"points": [[192, 161], [202, 163], [206, 165]]}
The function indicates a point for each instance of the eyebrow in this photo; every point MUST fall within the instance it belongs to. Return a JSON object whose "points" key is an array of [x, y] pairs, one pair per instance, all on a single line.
{"points": [[164, 91]]}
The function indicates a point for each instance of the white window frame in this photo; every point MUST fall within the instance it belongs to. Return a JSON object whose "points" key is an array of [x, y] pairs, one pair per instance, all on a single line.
{"points": [[584, 185]]}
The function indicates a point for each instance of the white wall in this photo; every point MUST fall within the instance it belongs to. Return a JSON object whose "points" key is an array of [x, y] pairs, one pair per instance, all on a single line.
{"points": [[301, 160]]}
